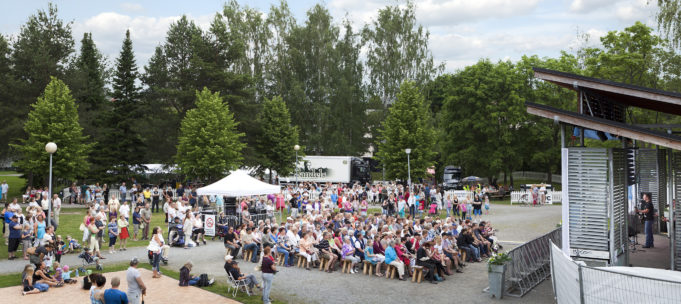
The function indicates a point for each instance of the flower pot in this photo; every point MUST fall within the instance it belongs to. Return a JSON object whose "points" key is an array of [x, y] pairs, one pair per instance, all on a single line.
{"points": [[496, 280]]}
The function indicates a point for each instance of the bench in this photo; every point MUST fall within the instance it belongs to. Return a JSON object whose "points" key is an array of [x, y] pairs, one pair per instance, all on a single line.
{"points": [[248, 255], [418, 274], [322, 262], [346, 266], [369, 268], [302, 261], [390, 272]]}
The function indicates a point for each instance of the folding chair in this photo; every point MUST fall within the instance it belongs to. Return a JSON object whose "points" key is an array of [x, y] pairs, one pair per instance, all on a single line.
{"points": [[236, 285]]}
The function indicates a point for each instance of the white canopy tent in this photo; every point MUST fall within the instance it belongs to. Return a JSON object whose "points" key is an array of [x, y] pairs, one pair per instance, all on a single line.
{"points": [[239, 183]]}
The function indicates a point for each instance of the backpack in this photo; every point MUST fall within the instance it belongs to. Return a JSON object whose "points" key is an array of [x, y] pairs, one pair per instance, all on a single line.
{"points": [[203, 280]]}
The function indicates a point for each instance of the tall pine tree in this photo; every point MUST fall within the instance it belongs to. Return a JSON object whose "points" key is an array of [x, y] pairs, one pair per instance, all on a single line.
{"points": [[122, 149], [88, 86]]}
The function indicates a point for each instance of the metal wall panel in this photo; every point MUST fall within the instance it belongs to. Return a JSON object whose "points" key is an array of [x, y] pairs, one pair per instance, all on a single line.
{"points": [[588, 187], [676, 212], [618, 211], [653, 178]]}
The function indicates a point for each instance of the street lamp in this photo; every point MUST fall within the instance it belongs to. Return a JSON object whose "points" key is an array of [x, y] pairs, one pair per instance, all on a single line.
{"points": [[50, 147], [408, 151], [296, 147]]}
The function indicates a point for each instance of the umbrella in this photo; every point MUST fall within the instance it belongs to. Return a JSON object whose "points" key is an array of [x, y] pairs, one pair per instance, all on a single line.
{"points": [[471, 179]]}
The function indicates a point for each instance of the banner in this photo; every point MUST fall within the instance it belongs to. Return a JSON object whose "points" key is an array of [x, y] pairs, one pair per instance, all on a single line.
{"points": [[209, 224]]}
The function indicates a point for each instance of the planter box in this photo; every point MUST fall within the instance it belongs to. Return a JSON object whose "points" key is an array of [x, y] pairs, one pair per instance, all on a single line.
{"points": [[496, 280]]}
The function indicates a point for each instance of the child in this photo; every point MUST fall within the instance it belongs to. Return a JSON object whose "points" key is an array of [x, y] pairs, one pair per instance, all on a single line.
{"points": [[57, 272], [26, 282], [26, 235], [59, 250], [486, 204], [66, 275], [113, 234]]}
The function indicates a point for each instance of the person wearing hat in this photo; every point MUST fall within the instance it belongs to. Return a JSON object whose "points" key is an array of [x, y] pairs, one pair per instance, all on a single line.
{"points": [[232, 269], [14, 236]]}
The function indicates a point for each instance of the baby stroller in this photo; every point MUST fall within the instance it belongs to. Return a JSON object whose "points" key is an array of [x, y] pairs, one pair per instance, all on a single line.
{"points": [[88, 259], [150, 255]]}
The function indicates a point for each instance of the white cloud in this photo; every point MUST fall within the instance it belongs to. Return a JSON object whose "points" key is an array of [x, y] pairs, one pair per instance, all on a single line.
{"points": [[583, 6], [448, 12], [632, 11], [132, 7]]}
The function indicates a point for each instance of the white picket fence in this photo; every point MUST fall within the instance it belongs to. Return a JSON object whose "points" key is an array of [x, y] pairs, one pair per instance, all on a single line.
{"points": [[525, 197], [460, 194]]}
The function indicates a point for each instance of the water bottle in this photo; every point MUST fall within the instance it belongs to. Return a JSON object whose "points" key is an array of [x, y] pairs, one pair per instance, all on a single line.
{"points": [[77, 275]]}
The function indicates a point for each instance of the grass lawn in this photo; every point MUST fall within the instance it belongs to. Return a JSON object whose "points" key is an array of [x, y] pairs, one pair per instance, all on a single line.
{"points": [[69, 222], [14, 279], [16, 184]]}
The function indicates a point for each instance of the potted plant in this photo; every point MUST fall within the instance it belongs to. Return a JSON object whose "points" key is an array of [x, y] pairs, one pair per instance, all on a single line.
{"points": [[496, 268]]}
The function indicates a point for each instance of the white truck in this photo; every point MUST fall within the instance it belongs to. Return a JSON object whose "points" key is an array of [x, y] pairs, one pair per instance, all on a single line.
{"points": [[334, 169]]}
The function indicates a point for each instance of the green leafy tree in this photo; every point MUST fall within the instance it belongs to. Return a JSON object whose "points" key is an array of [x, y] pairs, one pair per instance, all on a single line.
{"points": [[483, 119], [121, 149], [669, 20], [397, 50], [11, 119], [277, 138], [54, 118], [40, 50], [209, 143], [408, 125]]}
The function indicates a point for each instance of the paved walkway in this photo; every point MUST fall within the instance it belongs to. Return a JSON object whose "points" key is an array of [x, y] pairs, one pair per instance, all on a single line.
{"points": [[516, 224]]}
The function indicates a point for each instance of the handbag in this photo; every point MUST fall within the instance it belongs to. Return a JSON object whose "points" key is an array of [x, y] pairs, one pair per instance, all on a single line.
{"points": [[82, 227]]}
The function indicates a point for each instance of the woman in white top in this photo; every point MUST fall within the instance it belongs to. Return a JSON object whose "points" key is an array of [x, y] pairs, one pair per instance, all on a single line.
{"points": [[188, 225], [158, 248]]}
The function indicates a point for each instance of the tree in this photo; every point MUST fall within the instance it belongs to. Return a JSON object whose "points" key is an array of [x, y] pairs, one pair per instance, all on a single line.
{"points": [[397, 50], [54, 118], [483, 119], [11, 119], [209, 143], [408, 125], [669, 20], [40, 50], [121, 149], [88, 86], [277, 138]]}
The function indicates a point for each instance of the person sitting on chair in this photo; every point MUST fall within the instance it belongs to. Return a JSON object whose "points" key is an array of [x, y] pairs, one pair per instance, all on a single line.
{"points": [[232, 269]]}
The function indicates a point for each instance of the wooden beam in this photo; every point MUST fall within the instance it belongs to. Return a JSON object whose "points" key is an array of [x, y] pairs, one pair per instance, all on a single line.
{"points": [[604, 127], [574, 83]]}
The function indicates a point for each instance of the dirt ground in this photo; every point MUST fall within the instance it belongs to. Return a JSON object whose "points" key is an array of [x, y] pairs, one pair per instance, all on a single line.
{"points": [[164, 290]]}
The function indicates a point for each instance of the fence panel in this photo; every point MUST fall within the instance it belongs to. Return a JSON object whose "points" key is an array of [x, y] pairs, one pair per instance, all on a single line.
{"points": [[529, 264]]}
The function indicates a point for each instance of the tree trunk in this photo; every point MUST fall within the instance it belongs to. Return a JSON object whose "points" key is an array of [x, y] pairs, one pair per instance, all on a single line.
{"points": [[505, 178], [270, 175], [549, 176]]}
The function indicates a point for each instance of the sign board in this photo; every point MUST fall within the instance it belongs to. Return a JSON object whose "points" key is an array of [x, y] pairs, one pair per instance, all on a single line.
{"points": [[335, 169], [209, 224], [593, 254]]}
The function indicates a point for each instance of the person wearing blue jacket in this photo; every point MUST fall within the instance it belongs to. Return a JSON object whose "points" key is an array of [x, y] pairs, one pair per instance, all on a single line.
{"points": [[391, 259]]}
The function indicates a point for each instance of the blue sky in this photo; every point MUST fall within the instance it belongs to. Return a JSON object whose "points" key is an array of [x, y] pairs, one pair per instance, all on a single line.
{"points": [[462, 31]]}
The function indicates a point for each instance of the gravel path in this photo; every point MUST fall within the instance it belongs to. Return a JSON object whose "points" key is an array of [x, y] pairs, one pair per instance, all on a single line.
{"points": [[516, 224]]}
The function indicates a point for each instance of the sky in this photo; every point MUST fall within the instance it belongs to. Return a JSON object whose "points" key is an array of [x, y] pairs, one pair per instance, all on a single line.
{"points": [[461, 31]]}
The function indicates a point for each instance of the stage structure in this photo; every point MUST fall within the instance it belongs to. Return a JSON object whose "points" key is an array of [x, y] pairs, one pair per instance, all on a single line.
{"points": [[595, 181]]}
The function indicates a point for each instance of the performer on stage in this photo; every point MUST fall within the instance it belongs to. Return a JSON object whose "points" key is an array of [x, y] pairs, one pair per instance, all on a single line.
{"points": [[648, 212]]}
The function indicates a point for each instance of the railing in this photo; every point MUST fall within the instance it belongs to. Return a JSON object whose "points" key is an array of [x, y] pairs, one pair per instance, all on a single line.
{"points": [[526, 198], [530, 264], [577, 283]]}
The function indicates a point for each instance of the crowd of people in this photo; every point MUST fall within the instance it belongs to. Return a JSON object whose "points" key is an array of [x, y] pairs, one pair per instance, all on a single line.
{"points": [[419, 226]]}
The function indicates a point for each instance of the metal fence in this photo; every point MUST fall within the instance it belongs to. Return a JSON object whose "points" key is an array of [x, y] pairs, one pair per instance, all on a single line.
{"points": [[530, 264], [576, 283]]}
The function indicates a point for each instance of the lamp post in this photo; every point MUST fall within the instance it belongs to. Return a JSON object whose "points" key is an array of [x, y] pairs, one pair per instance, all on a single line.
{"points": [[50, 147], [408, 151], [296, 147]]}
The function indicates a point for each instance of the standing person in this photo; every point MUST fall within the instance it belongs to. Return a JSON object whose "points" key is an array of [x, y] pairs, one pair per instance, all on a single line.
{"points": [[123, 234], [157, 247], [113, 235], [136, 222], [648, 212], [145, 215], [268, 270], [136, 288], [56, 208], [5, 190], [124, 191], [14, 236], [113, 295], [155, 198]]}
